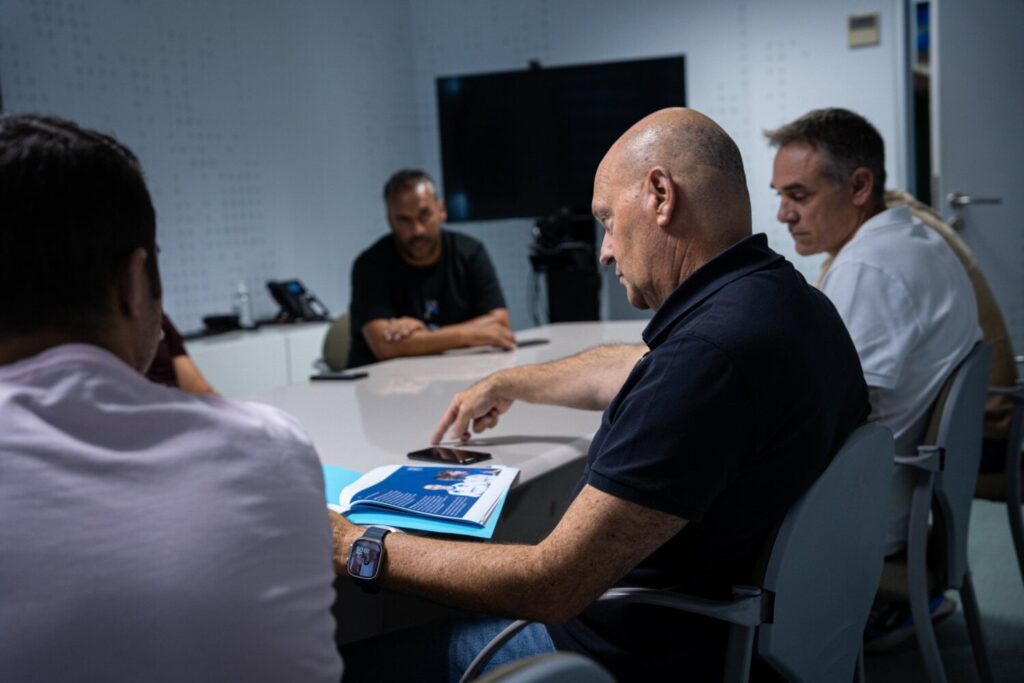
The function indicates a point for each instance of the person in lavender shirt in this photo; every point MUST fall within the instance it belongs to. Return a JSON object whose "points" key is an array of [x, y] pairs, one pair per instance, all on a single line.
{"points": [[147, 534]]}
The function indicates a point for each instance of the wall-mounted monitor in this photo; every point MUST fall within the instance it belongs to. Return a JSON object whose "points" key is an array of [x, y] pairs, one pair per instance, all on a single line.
{"points": [[526, 143]]}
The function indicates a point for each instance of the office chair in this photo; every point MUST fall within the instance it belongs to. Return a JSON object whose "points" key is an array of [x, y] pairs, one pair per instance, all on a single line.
{"points": [[1005, 486], [809, 611], [557, 667], [337, 343], [944, 474]]}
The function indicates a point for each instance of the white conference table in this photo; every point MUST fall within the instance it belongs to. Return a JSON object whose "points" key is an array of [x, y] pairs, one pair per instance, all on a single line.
{"points": [[375, 421]]}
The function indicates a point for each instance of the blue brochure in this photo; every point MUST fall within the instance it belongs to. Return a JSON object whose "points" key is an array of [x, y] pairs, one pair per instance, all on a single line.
{"points": [[440, 499]]}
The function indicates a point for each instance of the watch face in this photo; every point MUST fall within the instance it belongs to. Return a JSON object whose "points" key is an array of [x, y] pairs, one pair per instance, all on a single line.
{"points": [[364, 559]]}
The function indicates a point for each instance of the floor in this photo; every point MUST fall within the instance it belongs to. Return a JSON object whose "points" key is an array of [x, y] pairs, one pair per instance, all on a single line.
{"points": [[997, 579]]}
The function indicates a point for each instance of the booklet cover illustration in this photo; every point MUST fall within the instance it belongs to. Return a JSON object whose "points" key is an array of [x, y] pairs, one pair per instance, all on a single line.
{"points": [[444, 498]]}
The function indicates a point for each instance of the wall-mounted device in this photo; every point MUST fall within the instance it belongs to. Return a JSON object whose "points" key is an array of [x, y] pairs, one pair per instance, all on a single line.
{"points": [[296, 302], [543, 131], [863, 29]]}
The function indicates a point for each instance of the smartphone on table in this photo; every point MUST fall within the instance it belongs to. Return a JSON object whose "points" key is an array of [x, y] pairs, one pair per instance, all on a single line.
{"points": [[340, 375], [531, 342], [449, 456]]}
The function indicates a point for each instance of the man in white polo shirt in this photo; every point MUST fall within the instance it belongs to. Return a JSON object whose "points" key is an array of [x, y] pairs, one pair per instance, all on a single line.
{"points": [[145, 534], [905, 298]]}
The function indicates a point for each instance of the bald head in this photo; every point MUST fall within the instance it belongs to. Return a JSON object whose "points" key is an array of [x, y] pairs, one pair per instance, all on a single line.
{"points": [[672, 195], [682, 139], [703, 162]]}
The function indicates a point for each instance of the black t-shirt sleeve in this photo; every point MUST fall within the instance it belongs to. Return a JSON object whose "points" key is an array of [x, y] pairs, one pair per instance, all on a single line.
{"points": [[370, 300], [484, 284], [675, 436]]}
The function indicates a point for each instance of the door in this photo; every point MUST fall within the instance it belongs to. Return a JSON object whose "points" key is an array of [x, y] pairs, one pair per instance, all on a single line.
{"points": [[978, 141]]}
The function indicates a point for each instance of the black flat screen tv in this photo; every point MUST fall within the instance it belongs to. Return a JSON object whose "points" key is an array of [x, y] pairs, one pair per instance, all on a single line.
{"points": [[526, 143]]}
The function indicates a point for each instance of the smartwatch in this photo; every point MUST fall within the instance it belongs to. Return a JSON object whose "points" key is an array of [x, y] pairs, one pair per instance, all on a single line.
{"points": [[366, 558]]}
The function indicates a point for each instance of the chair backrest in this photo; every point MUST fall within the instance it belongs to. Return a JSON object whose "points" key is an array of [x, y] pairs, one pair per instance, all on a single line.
{"points": [[826, 562], [337, 343], [957, 427], [558, 667]]}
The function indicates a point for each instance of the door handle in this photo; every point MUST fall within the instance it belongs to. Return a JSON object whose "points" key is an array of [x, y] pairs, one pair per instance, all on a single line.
{"points": [[960, 199]]}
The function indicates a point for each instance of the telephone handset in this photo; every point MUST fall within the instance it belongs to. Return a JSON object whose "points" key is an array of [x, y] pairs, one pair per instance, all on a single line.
{"points": [[296, 302]]}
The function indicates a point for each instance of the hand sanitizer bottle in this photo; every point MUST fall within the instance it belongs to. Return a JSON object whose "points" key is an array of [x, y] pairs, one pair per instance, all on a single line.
{"points": [[243, 306]]}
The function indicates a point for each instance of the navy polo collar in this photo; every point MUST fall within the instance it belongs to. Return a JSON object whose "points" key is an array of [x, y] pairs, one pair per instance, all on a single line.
{"points": [[746, 256]]}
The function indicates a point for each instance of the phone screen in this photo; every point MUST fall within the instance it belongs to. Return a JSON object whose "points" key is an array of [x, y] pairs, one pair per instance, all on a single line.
{"points": [[449, 455]]}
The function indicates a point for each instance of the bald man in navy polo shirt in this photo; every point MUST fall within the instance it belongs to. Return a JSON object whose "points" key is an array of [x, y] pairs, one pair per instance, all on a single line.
{"points": [[746, 385]]}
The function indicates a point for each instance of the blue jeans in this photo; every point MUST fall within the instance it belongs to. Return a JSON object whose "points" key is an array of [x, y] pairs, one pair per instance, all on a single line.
{"points": [[438, 651], [470, 635]]}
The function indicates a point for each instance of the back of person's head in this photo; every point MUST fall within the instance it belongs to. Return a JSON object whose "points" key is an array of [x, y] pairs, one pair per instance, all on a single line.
{"points": [[703, 160], [406, 179], [846, 141], [73, 208]]}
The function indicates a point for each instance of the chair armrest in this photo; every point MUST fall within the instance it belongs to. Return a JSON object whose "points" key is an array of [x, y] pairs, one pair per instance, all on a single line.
{"points": [[928, 459], [751, 606]]}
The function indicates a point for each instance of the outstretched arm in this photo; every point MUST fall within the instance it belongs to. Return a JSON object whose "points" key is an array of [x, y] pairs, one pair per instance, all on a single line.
{"points": [[588, 380], [598, 541], [394, 339]]}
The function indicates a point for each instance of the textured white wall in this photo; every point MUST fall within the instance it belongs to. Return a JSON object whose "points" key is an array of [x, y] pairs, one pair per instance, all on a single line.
{"points": [[267, 129]]}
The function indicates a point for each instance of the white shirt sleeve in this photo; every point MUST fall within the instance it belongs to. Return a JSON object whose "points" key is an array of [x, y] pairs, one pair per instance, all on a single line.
{"points": [[879, 314]]}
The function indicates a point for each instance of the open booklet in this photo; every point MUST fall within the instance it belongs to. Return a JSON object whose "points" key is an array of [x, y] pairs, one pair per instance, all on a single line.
{"points": [[438, 498]]}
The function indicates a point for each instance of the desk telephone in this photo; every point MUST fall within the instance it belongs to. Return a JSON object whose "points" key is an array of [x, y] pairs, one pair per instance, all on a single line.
{"points": [[297, 303]]}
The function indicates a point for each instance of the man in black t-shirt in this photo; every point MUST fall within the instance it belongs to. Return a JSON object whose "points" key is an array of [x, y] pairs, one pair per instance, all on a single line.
{"points": [[746, 385], [423, 290]]}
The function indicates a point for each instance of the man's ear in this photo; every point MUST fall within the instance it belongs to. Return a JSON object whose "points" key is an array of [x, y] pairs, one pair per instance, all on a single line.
{"points": [[442, 210], [862, 183], [133, 285], [661, 194]]}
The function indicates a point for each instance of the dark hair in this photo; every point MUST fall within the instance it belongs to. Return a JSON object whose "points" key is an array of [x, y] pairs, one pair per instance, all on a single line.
{"points": [[406, 179], [846, 140], [73, 207]]}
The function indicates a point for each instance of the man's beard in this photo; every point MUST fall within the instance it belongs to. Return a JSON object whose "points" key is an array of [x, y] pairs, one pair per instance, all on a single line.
{"points": [[420, 248]]}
